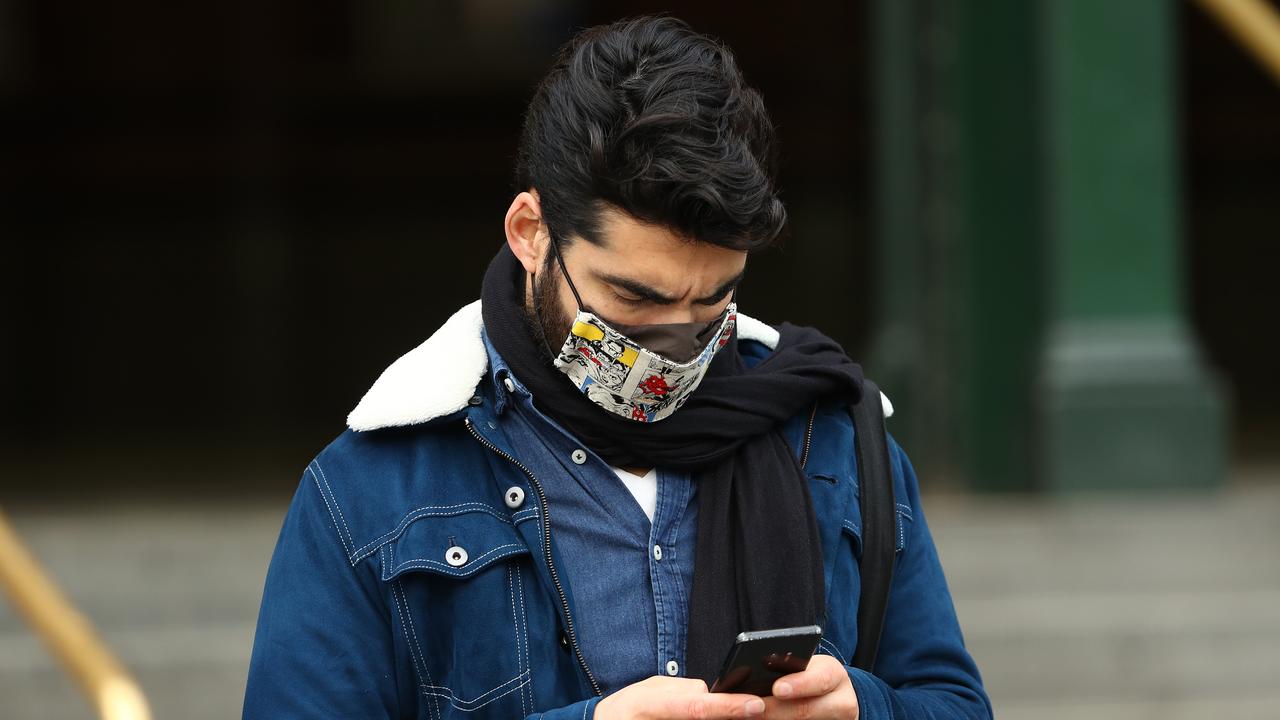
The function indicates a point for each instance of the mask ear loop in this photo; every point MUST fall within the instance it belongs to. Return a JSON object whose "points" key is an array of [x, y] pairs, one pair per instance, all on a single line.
{"points": [[537, 310], [555, 250]]}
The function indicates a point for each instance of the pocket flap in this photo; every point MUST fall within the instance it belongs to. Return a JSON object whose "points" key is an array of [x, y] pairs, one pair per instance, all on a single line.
{"points": [[457, 544], [851, 525]]}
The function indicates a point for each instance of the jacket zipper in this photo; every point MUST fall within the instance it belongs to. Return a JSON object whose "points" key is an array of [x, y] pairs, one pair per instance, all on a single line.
{"points": [[546, 547], [808, 437]]}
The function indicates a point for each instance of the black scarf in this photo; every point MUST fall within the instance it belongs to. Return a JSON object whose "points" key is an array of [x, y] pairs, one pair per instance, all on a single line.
{"points": [[758, 561]]}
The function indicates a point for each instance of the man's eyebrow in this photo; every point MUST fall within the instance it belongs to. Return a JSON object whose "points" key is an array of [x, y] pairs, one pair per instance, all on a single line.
{"points": [[723, 290], [648, 293]]}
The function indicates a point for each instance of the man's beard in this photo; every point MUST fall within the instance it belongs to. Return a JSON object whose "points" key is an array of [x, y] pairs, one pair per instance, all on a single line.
{"points": [[544, 316]]}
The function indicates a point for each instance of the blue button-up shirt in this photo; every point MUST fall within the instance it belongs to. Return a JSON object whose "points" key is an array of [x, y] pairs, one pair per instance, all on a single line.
{"points": [[630, 578]]}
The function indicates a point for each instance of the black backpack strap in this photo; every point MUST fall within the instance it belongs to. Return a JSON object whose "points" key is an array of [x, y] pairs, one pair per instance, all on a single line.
{"points": [[878, 544]]}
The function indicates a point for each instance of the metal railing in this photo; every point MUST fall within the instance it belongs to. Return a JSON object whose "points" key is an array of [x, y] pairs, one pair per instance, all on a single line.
{"points": [[1255, 24], [68, 634]]}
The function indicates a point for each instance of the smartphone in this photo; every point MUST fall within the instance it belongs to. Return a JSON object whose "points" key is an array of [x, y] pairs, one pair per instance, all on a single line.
{"points": [[759, 658]]}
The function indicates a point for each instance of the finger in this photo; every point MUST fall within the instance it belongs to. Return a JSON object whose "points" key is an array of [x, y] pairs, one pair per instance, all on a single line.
{"points": [[819, 678], [805, 708], [716, 706], [696, 685], [833, 705], [676, 686]]}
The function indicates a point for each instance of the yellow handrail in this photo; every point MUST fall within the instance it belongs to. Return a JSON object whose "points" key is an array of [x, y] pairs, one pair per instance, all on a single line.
{"points": [[68, 634], [1255, 25]]}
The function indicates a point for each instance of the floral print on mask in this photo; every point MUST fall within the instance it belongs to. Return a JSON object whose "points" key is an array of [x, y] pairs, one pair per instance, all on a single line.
{"points": [[624, 378]]}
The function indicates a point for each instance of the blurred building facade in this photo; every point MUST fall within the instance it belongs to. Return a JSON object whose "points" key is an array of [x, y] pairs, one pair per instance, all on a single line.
{"points": [[222, 222]]}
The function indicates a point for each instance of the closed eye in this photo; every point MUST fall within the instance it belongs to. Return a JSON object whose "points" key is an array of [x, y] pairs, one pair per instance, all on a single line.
{"points": [[628, 300], [640, 293]]}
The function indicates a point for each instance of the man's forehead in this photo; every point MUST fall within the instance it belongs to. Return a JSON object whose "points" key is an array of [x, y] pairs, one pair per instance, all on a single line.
{"points": [[654, 244]]}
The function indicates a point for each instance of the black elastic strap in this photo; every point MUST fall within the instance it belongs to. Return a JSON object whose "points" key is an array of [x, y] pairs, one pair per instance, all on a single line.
{"points": [[878, 545]]}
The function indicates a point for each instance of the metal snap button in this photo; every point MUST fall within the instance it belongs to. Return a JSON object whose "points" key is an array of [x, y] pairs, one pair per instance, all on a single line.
{"points": [[579, 456], [509, 383], [514, 496], [673, 668], [456, 556]]}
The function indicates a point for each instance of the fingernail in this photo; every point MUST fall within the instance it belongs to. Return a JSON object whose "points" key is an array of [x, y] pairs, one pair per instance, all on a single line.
{"points": [[782, 689], [755, 706]]}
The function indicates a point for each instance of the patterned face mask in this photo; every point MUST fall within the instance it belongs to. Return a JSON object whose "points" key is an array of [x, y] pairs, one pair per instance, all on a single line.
{"points": [[641, 372]]}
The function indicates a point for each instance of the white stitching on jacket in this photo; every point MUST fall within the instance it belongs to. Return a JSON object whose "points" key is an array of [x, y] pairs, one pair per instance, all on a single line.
{"points": [[458, 702], [469, 569], [336, 528], [419, 662], [524, 630], [350, 542], [831, 647], [412, 516], [515, 628]]}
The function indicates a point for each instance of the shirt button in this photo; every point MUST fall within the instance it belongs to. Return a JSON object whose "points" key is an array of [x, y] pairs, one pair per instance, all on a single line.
{"points": [[673, 668], [657, 552], [579, 456], [456, 556], [475, 401], [509, 384], [514, 497]]}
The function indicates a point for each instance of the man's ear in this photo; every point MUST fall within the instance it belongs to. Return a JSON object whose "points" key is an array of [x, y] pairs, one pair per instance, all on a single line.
{"points": [[526, 235]]}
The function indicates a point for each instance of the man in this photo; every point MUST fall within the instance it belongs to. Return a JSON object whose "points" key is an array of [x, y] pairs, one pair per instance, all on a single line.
{"points": [[570, 499]]}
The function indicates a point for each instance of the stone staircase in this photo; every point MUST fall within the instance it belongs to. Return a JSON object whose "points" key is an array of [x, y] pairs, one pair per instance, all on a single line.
{"points": [[1120, 607], [1102, 607]]}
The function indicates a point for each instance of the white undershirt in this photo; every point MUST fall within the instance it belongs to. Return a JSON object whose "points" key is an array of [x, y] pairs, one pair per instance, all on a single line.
{"points": [[644, 489]]}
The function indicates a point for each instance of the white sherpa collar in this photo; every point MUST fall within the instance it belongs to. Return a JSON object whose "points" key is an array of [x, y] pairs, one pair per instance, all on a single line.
{"points": [[439, 376]]}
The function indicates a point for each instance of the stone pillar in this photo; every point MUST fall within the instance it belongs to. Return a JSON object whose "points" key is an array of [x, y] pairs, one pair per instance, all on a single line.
{"points": [[1124, 399], [1031, 320], [899, 362]]}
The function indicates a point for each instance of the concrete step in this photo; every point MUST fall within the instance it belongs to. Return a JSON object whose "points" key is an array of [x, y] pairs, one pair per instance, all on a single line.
{"points": [[1105, 607], [1112, 606], [173, 590]]}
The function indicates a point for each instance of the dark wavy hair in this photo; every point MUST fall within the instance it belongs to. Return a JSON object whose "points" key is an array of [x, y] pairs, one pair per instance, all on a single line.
{"points": [[652, 118]]}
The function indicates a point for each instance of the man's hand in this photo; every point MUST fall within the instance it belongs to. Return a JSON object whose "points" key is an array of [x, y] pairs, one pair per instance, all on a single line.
{"points": [[671, 698], [821, 692]]}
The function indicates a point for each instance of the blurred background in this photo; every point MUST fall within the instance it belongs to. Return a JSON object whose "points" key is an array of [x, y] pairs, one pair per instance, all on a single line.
{"points": [[1046, 228]]}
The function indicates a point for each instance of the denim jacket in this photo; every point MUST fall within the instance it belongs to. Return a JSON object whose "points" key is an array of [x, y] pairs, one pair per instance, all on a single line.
{"points": [[417, 575]]}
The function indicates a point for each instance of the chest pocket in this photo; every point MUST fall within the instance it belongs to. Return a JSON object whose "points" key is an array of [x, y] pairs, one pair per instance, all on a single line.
{"points": [[840, 632], [851, 526], [459, 582]]}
